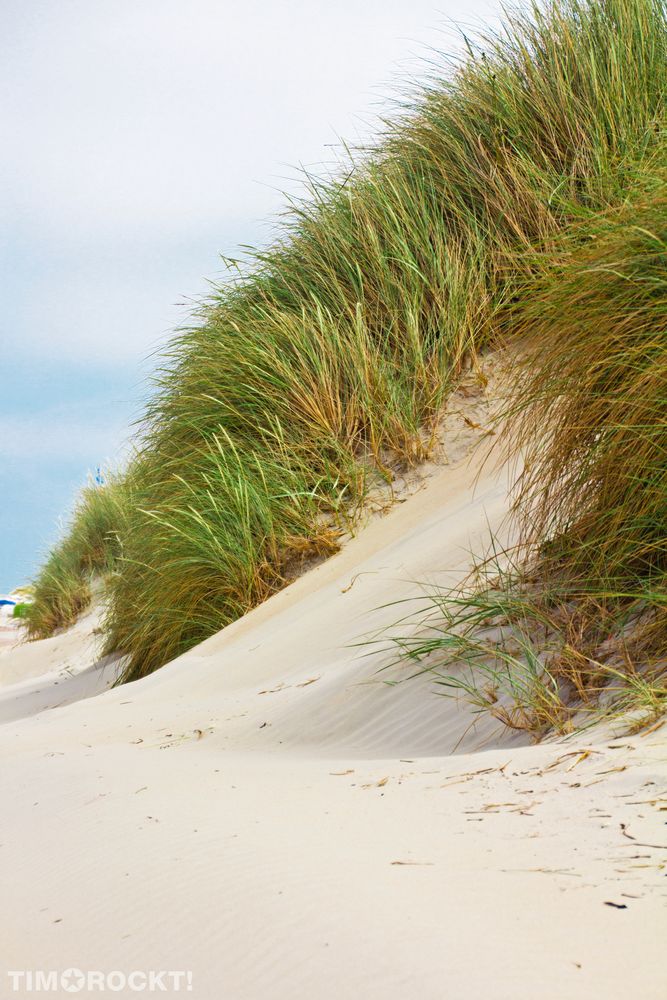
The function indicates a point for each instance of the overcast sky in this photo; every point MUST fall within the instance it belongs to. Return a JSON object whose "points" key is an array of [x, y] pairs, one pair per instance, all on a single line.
{"points": [[142, 138]]}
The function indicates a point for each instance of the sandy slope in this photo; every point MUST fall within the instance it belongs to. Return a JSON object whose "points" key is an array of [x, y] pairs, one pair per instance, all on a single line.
{"points": [[57, 671], [271, 814]]}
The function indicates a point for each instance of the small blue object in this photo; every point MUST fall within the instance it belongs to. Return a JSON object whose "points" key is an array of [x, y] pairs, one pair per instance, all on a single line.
{"points": [[99, 477], [4, 602]]}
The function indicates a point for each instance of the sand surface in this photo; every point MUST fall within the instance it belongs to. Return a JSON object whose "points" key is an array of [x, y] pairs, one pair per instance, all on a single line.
{"points": [[275, 814], [35, 676]]}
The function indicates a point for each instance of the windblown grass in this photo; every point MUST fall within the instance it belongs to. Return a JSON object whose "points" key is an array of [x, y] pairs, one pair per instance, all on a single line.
{"points": [[589, 409], [329, 359], [89, 549], [578, 619], [538, 663]]}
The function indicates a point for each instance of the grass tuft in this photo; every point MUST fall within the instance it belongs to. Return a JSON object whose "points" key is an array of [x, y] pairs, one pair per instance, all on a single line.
{"points": [[90, 549]]}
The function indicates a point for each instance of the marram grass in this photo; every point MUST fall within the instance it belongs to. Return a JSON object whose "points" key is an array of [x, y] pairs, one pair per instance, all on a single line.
{"points": [[330, 358], [90, 549], [574, 620]]}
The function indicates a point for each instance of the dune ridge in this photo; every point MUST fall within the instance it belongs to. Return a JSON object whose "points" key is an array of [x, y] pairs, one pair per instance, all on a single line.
{"points": [[519, 191]]}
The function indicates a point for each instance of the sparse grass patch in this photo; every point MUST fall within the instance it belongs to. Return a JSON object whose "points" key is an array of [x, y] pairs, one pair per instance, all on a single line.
{"points": [[533, 657]]}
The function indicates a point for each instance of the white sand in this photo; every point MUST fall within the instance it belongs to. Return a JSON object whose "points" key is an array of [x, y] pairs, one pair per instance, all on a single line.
{"points": [[68, 667], [271, 814]]}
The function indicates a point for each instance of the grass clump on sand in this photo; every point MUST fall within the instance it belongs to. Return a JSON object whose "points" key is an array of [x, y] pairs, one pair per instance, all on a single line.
{"points": [[590, 412], [578, 615], [90, 549], [330, 358]]}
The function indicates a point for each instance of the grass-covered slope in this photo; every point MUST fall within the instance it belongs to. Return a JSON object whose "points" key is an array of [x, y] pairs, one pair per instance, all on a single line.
{"points": [[90, 549], [331, 358], [589, 404], [577, 613]]}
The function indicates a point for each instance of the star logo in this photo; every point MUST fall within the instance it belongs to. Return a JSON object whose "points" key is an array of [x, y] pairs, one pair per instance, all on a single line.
{"points": [[72, 980]]}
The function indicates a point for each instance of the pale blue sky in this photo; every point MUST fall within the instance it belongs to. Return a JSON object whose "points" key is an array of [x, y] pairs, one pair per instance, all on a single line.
{"points": [[142, 138]]}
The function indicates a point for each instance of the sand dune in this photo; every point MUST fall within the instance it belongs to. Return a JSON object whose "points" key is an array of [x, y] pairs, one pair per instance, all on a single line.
{"points": [[57, 671], [273, 813]]}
